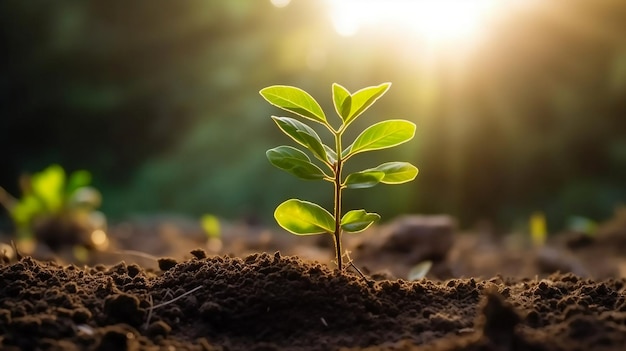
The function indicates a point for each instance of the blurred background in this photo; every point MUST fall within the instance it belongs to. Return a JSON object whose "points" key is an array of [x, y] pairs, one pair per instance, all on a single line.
{"points": [[520, 105]]}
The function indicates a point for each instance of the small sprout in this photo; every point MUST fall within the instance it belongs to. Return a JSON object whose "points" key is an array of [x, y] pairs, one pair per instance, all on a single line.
{"points": [[538, 230], [420, 270], [211, 226], [52, 199], [306, 218]]}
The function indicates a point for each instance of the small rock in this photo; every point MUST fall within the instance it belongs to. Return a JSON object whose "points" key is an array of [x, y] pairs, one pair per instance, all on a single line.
{"points": [[420, 237], [551, 260], [199, 254], [159, 328], [166, 263], [123, 308]]}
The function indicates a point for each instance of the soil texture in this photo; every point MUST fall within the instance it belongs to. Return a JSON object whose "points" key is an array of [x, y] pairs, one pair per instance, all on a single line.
{"points": [[274, 302]]}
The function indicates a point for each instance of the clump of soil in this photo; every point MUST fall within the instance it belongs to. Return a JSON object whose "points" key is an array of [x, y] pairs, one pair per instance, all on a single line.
{"points": [[274, 302]]}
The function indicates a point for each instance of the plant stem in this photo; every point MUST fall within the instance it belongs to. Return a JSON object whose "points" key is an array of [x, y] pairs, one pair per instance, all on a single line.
{"points": [[337, 183], [337, 233]]}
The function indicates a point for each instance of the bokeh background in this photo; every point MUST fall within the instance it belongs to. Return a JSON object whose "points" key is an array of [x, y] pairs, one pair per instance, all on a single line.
{"points": [[159, 100]]}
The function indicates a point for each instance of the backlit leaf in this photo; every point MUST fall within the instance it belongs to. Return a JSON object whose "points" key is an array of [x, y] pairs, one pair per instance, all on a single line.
{"points": [[363, 99], [294, 161], [304, 218], [302, 134], [364, 179], [396, 172], [358, 220], [331, 155], [382, 135], [294, 100], [342, 101]]}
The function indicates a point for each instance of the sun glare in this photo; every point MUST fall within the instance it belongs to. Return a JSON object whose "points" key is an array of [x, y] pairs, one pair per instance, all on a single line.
{"points": [[280, 3], [433, 20]]}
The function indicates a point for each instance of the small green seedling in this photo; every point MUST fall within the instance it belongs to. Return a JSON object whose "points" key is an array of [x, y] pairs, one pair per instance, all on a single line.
{"points": [[56, 207], [307, 218]]}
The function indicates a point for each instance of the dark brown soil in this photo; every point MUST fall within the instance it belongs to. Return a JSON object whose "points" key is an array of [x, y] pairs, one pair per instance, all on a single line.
{"points": [[273, 302]]}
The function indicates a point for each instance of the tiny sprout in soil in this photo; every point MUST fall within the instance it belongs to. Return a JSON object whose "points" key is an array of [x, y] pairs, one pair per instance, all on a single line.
{"points": [[306, 218]]}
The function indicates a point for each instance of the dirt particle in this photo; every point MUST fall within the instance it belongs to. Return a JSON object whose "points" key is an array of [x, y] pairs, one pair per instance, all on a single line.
{"points": [[118, 338], [123, 308], [498, 320], [199, 254], [159, 328], [5, 317], [133, 270], [167, 263]]}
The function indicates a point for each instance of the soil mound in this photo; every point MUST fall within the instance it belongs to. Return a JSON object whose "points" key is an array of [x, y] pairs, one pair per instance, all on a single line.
{"points": [[273, 302]]}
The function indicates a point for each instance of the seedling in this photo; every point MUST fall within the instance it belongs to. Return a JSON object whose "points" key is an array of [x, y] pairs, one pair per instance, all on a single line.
{"points": [[56, 208], [538, 229], [212, 228], [306, 218]]}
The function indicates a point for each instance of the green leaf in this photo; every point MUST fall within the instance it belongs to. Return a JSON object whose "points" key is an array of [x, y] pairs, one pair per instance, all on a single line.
{"points": [[48, 185], [211, 225], [358, 220], [26, 209], [302, 134], [294, 100], [314, 145], [342, 100], [304, 218], [363, 99], [396, 172], [77, 180], [363, 179], [331, 155], [382, 135], [294, 161]]}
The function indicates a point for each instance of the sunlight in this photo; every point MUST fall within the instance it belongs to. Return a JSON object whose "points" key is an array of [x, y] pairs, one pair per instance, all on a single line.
{"points": [[280, 3], [433, 20]]}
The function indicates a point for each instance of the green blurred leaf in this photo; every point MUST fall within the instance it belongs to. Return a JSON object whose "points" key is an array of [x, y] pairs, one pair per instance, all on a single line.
{"points": [[294, 161], [294, 100], [363, 99], [304, 218], [302, 134], [211, 225], [382, 135], [48, 186], [342, 100], [26, 209], [363, 179], [396, 172], [358, 220], [78, 179]]}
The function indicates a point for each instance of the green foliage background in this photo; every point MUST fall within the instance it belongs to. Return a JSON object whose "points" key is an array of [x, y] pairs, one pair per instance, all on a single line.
{"points": [[159, 100]]}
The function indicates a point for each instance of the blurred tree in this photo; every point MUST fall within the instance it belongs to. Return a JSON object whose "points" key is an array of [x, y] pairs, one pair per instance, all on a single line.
{"points": [[159, 100]]}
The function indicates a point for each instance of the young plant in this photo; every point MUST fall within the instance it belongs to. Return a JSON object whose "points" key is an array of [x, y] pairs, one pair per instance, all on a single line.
{"points": [[55, 208], [307, 218]]}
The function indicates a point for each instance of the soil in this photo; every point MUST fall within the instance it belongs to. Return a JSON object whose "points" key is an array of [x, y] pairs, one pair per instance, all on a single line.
{"points": [[274, 302], [514, 297]]}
